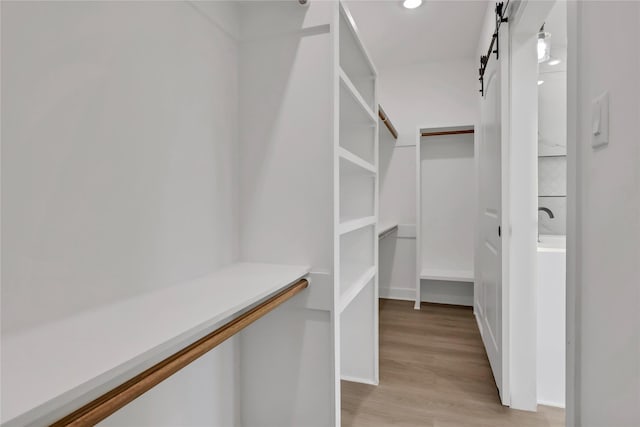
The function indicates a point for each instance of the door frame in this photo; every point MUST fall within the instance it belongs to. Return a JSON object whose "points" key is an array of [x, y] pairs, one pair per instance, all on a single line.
{"points": [[525, 21]]}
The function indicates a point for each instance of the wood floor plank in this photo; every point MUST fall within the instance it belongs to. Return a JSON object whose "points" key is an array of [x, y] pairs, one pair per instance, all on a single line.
{"points": [[434, 372]]}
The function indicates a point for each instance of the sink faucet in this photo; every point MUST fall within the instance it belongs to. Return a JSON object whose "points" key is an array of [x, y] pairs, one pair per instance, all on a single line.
{"points": [[548, 211], [551, 216]]}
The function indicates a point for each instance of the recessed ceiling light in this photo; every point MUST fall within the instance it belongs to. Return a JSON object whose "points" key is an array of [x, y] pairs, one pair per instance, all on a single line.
{"points": [[540, 82], [411, 4], [554, 62]]}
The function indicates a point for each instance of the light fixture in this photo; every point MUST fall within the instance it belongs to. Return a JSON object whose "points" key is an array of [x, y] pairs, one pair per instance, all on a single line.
{"points": [[554, 61], [411, 4], [540, 82], [544, 46]]}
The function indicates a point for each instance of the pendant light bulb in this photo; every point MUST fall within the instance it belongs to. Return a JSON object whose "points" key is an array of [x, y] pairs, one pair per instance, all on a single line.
{"points": [[544, 46]]}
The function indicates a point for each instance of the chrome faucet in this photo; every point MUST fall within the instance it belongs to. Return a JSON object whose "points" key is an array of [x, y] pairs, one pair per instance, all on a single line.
{"points": [[551, 216]]}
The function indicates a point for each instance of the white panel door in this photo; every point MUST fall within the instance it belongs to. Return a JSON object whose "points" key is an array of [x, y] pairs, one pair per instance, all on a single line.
{"points": [[489, 278]]}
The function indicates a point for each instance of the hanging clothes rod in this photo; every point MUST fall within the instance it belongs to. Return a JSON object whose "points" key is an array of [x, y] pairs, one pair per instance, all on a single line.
{"points": [[385, 119], [105, 405], [448, 132]]}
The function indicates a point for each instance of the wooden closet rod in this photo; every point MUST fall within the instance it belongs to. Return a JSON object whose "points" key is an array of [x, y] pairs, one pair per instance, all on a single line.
{"points": [[387, 122], [448, 132], [105, 405]]}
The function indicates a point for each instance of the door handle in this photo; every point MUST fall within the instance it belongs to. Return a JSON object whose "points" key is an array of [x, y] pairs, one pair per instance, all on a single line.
{"points": [[499, 231]]}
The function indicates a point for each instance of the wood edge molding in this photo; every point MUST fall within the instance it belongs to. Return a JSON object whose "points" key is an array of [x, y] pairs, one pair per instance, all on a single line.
{"points": [[105, 405], [449, 132], [385, 119]]}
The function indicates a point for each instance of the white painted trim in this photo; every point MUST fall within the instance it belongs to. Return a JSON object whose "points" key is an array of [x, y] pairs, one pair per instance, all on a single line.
{"points": [[505, 212], [403, 294], [466, 301], [522, 264], [552, 404], [447, 275], [359, 380], [572, 398], [418, 221], [407, 294], [335, 313]]}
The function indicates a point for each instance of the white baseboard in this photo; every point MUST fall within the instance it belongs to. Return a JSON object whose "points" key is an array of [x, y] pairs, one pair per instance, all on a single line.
{"points": [[552, 404], [357, 380], [448, 299], [408, 294], [403, 294]]}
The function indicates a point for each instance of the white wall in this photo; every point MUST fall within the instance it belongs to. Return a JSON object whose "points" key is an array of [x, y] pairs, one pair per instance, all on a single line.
{"points": [[119, 171], [604, 272], [423, 95], [286, 195]]}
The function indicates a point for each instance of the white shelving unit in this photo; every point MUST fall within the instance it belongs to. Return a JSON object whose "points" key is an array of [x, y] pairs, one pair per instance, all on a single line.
{"points": [[447, 275], [70, 362], [445, 189], [386, 228], [356, 207], [298, 166]]}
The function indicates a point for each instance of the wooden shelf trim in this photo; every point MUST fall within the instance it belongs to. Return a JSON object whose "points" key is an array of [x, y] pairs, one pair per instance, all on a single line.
{"points": [[105, 405], [448, 132], [385, 119]]}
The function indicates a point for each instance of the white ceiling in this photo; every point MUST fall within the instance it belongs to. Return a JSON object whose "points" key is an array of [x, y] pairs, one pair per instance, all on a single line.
{"points": [[436, 31]]}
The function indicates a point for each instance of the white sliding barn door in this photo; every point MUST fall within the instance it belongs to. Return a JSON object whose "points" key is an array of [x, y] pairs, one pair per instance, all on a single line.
{"points": [[489, 289]]}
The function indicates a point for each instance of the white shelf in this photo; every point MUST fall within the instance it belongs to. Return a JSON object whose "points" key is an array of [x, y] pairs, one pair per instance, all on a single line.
{"points": [[354, 58], [72, 361], [447, 275], [348, 84], [385, 228], [356, 224], [353, 281], [356, 164]]}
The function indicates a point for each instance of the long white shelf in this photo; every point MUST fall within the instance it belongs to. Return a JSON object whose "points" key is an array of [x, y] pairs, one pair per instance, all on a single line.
{"points": [[68, 363], [447, 275], [348, 84], [354, 282], [355, 224], [386, 228], [357, 164]]}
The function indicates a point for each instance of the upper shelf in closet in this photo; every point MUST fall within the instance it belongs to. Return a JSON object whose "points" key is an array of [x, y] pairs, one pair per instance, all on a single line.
{"points": [[386, 228], [357, 126], [61, 364], [355, 62]]}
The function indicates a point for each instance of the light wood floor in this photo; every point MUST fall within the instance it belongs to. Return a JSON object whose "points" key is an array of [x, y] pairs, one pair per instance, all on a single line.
{"points": [[433, 372]]}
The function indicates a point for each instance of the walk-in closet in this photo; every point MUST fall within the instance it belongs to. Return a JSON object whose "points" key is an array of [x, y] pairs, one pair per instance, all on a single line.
{"points": [[318, 213], [207, 226]]}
